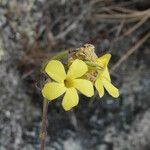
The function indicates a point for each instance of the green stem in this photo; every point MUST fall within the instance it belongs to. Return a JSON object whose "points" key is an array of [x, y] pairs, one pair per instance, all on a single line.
{"points": [[60, 55], [42, 135], [93, 65], [56, 57]]}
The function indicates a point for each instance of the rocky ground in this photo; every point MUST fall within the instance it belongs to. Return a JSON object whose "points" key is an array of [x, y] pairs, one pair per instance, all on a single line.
{"points": [[34, 30]]}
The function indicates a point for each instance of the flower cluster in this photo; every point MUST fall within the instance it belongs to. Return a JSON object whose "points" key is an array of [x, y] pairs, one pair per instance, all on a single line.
{"points": [[83, 71]]}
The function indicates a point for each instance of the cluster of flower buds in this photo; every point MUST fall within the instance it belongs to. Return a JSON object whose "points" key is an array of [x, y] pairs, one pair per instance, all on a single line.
{"points": [[83, 71]]}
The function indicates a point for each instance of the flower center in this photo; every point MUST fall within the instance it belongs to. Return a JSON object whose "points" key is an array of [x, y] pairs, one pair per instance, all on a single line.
{"points": [[68, 83]]}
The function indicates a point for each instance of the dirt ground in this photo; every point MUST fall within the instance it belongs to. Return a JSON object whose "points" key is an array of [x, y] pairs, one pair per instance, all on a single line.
{"points": [[32, 31]]}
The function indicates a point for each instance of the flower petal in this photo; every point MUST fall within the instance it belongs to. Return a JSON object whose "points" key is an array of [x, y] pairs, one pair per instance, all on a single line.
{"points": [[111, 89], [77, 69], [106, 74], [104, 60], [55, 70], [99, 86], [70, 99], [84, 86], [53, 90]]}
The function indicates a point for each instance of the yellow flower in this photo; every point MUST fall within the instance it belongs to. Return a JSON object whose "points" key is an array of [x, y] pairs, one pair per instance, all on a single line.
{"points": [[103, 80], [67, 83]]}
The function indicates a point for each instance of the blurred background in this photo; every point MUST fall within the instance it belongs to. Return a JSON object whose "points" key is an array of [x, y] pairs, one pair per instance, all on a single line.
{"points": [[32, 31]]}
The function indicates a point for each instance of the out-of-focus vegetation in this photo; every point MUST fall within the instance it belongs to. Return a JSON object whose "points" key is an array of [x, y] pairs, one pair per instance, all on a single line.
{"points": [[33, 31]]}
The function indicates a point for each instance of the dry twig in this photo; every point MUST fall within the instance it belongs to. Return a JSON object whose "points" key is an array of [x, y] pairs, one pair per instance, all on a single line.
{"points": [[129, 52], [128, 16], [132, 29], [135, 27]]}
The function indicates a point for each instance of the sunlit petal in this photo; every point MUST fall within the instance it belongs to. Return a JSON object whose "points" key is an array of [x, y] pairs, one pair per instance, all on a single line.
{"points": [[104, 60], [56, 71], [106, 74], [84, 86], [70, 99], [111, 89], [52, 90], [77, 69], [99, 87]]}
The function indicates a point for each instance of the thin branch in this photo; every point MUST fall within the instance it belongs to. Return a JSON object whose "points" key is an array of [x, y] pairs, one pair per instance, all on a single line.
{"points": [[124, 10], [43, 131], [132, 29], [136, 26], [130, 52], [74, 24], [124, 15]]}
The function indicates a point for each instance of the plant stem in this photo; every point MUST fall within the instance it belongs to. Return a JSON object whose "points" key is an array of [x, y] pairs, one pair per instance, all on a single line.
{"points": [[60, 55], [42, 134], [56, 57]]}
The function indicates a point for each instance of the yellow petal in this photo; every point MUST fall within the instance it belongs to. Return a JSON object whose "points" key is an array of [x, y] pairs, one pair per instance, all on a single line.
{"points": [[99, 86], [70, 99], [55, 70], [84, 86], [104, 60], [106, 74], [53, 90], [111, 89], [77, 69]]}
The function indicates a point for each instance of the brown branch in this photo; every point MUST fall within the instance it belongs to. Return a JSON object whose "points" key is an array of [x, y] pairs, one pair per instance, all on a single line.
{"points": [[42, 135], [124, 10], [136, 26], [132, 29], [129, 52], [124, 15]]}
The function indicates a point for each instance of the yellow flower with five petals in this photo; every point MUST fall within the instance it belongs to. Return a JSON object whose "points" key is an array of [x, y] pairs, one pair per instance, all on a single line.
{"points": [[103, 80], [67, 83]]}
